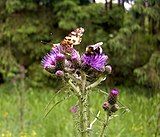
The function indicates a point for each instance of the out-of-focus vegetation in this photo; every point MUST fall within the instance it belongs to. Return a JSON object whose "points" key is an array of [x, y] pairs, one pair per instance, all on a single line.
{"points": [[25, 119], [131, 38]]}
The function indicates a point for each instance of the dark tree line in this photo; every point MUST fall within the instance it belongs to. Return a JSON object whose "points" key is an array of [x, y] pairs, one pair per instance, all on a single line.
{"points": [[131, 38]]}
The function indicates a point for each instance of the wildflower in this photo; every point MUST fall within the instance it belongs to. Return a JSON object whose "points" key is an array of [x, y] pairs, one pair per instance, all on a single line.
{"points": [[96, 62], [112, 98], [94, 58], [75, 57], [53, 60], [49, 61], [60, 59], [57, 48]]}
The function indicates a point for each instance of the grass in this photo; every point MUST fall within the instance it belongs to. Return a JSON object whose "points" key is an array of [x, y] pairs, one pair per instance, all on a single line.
{"points": [[141, 121]]}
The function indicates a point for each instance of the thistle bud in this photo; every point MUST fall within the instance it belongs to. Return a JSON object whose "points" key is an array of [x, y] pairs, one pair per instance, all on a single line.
{"points": [[74, 109], [114, 108], [112, 98], [106, 106], [59, 73], [108, 69]]}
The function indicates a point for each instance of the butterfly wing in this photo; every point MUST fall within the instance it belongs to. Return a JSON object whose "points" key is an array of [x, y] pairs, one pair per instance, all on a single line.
{"points": [[73, 38]]}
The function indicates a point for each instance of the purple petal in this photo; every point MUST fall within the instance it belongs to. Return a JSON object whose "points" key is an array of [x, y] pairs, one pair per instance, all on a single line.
{"points": [[97, 62]]}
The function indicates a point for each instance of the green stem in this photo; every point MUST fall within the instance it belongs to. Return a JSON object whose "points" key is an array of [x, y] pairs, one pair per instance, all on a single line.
{"points": [[75, 88], [105, 124], [84, 107]]}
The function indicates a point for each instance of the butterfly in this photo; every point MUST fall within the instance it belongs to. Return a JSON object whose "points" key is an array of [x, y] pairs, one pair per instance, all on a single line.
{"points": [[73, 38], [94, 49]]}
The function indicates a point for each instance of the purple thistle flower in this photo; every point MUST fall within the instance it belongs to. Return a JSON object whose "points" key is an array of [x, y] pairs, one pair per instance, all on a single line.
{"points": [[59, 57], [95, 61], [114, 92], [49, 61], [75, 57], [57, 48], [52, 60], [70, 54]]}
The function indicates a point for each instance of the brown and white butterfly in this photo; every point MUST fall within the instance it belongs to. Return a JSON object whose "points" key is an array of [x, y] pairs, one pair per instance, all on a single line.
{"points": [[73, 38]]}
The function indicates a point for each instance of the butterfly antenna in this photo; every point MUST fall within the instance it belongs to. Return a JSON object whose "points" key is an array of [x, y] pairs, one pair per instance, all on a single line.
{"points": [[46, 42]]}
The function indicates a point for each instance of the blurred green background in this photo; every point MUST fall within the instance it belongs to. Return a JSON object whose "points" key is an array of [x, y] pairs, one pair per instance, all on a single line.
{"points": [[131, 40]]}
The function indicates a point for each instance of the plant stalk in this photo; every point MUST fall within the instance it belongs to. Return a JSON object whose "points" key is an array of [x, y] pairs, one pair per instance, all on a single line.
{"points": [[83, 111], [84, 107], [105, 124]]}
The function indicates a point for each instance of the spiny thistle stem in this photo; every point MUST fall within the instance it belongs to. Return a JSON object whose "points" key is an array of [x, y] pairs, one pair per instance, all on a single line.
{"points": [[105, 124], [83, 105], [83, 111]]}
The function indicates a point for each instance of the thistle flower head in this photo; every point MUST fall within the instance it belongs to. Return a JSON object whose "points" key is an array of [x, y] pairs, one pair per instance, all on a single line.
{"points": [[114, 92], [96, 62], [59, 59], [94, 58], [49, 61], [53, 60]]}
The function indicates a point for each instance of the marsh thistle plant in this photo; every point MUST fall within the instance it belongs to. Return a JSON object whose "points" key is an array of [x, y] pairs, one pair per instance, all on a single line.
{"points": [[82, 72]]}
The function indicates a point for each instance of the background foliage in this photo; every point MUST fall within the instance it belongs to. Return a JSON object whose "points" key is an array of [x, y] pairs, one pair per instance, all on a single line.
{"points": [[131, 38]]}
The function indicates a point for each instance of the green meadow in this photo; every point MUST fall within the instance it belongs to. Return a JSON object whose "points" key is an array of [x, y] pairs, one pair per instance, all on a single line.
{"points": [[22, 115]]}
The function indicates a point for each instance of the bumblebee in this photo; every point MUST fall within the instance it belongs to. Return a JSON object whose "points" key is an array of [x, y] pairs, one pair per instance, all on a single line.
{"points": [[94, 49]]}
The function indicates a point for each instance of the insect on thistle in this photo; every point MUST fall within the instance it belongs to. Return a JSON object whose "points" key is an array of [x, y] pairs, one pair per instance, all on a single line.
{"points": [[73, 38], [94, 49]]}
